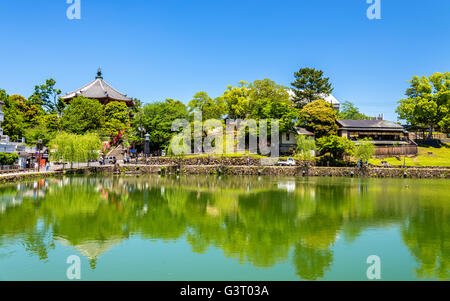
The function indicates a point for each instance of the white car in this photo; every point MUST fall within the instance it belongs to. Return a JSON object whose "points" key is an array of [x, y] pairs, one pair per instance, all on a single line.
{"points": [[289, 162]]}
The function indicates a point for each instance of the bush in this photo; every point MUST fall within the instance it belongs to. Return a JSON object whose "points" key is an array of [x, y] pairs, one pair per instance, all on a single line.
{"points": [[337, 147], [8, 159], [305, 146], [365, 150]]}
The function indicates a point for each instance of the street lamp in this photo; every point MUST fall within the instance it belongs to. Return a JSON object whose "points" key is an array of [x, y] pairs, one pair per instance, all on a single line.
{"points": [[147, 144]]}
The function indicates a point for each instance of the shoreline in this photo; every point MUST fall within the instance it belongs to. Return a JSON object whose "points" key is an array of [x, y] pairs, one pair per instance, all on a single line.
{"points": [[275, 171]]}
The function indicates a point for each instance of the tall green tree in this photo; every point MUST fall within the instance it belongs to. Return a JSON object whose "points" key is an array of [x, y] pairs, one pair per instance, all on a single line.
{"points": [[268, 100], [237, 101], [157, 120], [117, 119], [310, 85], [319, 117], [210, 108], [47, 96], [349, 111], [83, 115], [428, 102]]}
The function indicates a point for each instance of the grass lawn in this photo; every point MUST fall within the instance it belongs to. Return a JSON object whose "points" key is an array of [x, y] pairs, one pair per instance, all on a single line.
{"points": [[439, 157]]}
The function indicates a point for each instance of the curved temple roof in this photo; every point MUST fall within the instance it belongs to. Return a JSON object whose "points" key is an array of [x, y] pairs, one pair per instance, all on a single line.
{"points": [[99, 89]]}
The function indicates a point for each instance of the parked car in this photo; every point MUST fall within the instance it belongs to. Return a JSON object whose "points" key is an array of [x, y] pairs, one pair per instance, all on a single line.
{"points": [[289, 162]]}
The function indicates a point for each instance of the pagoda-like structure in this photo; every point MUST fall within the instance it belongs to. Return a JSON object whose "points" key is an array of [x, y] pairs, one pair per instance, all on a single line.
{"points": [[100, 90]]}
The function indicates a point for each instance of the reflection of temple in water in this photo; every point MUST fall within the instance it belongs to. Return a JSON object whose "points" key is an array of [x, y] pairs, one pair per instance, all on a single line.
{"points": [[92, 250]]}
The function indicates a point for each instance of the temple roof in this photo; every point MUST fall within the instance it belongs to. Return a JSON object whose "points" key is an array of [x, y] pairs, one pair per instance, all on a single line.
{"points": [[99, 89]]}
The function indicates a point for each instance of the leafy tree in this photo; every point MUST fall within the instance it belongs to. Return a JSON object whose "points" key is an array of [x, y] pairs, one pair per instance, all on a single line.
{"points": [[210, 108], [319, 118], [365, 150], [428, 102], [40, 131], [310, 85], [13, 124], [350, 112], [24, 110], [305, 145], [237, 101], [268, 100], [47, 96], [73, 148], [83, 115], [117, 118], [157, 119], [336, 146], [8, 159]]}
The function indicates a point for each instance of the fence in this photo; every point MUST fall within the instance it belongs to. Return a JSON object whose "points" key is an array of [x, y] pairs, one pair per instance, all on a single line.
{"points": [[393, 151]]}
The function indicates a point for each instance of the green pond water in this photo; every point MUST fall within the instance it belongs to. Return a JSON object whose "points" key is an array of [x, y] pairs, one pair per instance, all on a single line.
{"points": [[228, 228]]}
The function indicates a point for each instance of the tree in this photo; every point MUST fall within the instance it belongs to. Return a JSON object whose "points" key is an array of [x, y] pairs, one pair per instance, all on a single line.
{"points": [[8, 159], [72, 148], [268, 100], [157, 119], [13, 124], [47, 96], [350, 112], [305, 146], [336, 146], [319, 118], [310, 85], [210, 108], [365, 150], [83, 115], [428, 102], [237, 101], [117, 118]]}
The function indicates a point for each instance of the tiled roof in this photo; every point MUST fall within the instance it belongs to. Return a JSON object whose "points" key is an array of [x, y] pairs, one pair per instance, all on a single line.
{"points": [[365, 124], [98, 89]]}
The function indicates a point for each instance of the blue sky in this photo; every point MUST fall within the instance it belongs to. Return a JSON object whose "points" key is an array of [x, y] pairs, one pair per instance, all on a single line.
{"points": [[154, 50]]}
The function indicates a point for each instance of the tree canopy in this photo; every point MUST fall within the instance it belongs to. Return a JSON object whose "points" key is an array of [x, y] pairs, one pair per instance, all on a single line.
{"points": [[336, 146], [319, 117], [428, 102], [157, 121], [310, 85], [83, 115], [210, 108], [349, 111]]}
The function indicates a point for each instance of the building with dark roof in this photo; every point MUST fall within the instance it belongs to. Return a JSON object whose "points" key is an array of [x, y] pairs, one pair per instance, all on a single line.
{"points": [[390, 138], [100, 90], [382, 132]]}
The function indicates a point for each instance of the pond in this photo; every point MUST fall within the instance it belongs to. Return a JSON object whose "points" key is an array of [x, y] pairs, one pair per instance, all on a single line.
{"points": [[225, 228]]}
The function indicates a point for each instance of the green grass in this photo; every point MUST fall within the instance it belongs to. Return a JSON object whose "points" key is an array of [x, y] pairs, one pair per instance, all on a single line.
{"points": [[439, 157]]}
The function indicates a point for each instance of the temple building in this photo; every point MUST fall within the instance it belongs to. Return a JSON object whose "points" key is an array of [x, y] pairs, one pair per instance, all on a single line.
{"points": [[390, 139], [100, 90]]}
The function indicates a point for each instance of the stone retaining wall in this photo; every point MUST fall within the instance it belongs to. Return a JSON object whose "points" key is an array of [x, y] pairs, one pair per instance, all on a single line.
{"points": [[281, 171], [228, 161]]}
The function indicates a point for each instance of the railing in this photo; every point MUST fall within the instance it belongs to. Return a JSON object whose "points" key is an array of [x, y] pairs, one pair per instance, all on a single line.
{"points": [[392, 151]]}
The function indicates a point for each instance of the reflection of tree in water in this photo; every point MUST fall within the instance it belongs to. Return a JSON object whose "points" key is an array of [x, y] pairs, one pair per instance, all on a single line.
{"points": [[427, 235], [311, 263], [250, 220]]}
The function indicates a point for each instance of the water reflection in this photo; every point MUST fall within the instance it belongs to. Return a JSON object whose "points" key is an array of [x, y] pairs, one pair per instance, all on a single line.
{"points": [[253, 220]]}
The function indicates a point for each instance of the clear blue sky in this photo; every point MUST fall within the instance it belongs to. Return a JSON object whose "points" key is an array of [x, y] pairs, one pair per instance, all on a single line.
{"points": [[154, 50]]}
